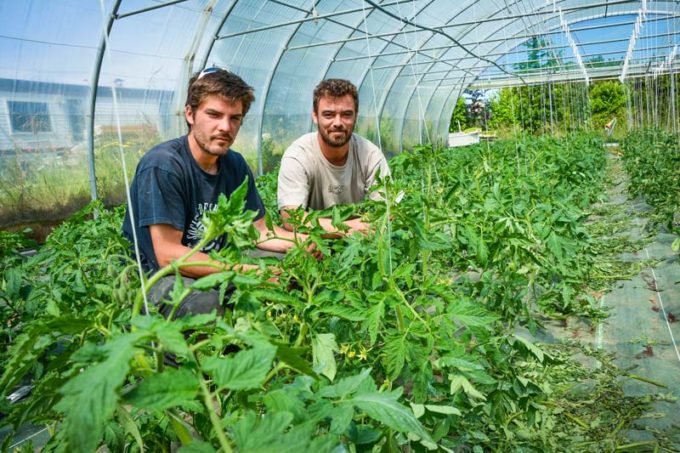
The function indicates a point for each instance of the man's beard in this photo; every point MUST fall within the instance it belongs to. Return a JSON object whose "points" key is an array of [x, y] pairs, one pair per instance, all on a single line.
{"points": [[326, 137], [209, 146]]}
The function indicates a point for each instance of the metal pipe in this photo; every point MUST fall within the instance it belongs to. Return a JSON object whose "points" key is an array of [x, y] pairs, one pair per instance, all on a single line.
{"points": [[518, 37], [150, 8], [300, 21], [93, 98]]}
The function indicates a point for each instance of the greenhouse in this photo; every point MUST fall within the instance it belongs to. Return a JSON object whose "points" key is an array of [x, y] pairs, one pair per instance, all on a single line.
{"points": [[339, 226]]}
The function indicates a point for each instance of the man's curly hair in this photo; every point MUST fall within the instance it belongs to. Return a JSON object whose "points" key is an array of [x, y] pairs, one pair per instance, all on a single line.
{"points": [[335, 88]]}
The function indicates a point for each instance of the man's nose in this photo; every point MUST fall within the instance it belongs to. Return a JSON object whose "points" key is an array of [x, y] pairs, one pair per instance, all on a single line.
{"points": [[224, 124]]}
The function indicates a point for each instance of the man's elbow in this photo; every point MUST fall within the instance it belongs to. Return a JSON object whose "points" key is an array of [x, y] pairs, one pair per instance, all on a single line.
{"points": [[166, 255], [164, 259]]}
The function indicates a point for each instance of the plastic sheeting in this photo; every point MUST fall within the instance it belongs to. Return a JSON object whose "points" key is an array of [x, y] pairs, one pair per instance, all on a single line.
{"points": [[73, 70]]}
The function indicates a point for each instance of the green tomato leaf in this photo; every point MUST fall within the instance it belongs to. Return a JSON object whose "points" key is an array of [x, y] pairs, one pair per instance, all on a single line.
{"points": [[446, 410], [197, 447], [375, 315], [253, 435], [345, 386], [90, 398], [170, 388], [213, 280], [245, 370], [535, 350], [323, 346], [341, 417], [384, 408], [458, 382]]}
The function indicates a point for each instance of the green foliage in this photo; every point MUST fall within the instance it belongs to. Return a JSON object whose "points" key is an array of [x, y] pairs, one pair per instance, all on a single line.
{"points": [[503, 110], [539, 56], [33, 191], [402, 339], [652, 160], [459, 116], [607, 101], [556, 108]]}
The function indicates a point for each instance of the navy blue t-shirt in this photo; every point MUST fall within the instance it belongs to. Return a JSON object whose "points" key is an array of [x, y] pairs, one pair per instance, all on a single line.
{"points": [[170, 188]]}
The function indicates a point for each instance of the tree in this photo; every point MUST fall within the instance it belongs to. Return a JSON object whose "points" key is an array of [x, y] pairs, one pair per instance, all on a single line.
{"points": [[607, 100], [503, 109], [459, 116]]}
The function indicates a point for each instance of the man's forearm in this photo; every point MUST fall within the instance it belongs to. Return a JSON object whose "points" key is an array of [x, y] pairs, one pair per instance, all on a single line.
{"points": [[200, 265]]}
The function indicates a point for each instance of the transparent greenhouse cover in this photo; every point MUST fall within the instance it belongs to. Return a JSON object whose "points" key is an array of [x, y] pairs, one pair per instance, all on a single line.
{"points": [[82, 79]]}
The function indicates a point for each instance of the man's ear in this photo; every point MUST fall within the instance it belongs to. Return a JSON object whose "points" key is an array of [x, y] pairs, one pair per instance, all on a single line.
{"points": [[315, 118], [189, 115]]}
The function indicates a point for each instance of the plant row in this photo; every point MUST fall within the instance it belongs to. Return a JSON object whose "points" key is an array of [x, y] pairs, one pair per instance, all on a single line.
{"points": [[652, 161]]}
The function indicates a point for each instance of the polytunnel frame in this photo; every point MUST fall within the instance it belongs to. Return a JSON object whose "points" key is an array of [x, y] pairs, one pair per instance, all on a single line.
{"points": [[663, 15], [506, 39], [282, 49], [412, 52], [401, 32], [667, 16], [329, 17], [409, 56], [666, 13], [408, 52], [99, 61]]}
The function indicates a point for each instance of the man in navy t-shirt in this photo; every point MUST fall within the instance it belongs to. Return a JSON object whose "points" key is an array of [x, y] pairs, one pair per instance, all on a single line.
{"points": [[177, 181]]}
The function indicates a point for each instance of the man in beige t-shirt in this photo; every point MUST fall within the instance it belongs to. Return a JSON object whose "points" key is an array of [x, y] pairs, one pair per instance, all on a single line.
{"points": [[333, 165]]}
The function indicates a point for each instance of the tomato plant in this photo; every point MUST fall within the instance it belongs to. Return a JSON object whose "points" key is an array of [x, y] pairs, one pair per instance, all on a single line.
{"points": [[408, 338]]}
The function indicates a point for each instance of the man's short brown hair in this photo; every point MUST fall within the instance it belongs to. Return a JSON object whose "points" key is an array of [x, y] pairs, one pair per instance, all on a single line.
{"points": [[335, 88], [219, 82]]}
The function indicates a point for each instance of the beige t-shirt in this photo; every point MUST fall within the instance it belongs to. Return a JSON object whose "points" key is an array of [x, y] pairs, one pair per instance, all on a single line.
{"points": [[307, 179]]}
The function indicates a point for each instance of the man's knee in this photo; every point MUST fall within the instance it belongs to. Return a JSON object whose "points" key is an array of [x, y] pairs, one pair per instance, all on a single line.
{"points": [[197, 302]]}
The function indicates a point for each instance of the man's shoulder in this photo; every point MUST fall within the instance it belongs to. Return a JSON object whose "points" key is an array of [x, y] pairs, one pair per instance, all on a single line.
{"points": [[163, 155], [365, 145], [304, 146], [367, 151]]}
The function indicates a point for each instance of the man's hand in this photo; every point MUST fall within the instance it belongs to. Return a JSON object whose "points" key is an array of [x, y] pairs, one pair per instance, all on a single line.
{"points": [[314, 251], [356, 225]]}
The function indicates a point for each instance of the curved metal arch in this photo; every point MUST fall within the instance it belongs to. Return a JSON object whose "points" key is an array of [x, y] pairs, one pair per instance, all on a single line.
{"points": [[214, 36], [99, 60], [590, 17], [372, 58], [397, 73], [267, 88]]}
